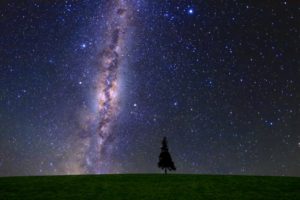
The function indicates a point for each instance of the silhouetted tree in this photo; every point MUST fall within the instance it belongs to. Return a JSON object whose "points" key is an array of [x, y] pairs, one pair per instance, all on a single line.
{"points": [[165, 160]]}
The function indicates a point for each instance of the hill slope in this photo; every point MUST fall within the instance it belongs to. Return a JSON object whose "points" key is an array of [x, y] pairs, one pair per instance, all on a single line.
{"points": [[151, 186]]}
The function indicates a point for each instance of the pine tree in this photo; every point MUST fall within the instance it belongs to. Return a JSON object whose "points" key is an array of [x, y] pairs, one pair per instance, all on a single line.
{"points": [[165, 160]]}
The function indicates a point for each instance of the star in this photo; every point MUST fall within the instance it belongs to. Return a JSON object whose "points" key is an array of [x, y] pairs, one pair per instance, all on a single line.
{"points": [[190, 11]]}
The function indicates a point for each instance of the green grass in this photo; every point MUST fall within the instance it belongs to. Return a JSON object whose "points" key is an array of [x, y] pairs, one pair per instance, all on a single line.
{"points": [[150, 186]]}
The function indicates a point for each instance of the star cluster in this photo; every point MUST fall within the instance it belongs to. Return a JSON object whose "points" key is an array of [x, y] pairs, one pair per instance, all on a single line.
{"points": [[220, 79]]}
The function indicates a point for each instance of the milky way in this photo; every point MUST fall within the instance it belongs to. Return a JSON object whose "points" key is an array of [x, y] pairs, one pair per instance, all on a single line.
{"points": [[108, 83], [92, 154]]}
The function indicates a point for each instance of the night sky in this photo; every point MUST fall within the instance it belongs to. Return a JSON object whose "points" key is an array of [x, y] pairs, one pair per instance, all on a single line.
{"points": [[93, 86]]}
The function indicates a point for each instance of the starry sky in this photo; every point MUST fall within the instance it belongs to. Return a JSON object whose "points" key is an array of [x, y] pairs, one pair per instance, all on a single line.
{"points": [[93, 86]]}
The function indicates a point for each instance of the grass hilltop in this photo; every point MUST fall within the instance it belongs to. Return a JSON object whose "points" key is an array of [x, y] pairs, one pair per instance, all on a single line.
{"points": [[150, 186]]}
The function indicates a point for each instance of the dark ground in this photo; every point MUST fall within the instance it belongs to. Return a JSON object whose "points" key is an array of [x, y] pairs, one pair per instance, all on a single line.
{"points": [[150, 186]]}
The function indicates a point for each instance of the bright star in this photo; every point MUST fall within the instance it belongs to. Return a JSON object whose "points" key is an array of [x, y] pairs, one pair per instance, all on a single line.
{"points": [[191, 11]]}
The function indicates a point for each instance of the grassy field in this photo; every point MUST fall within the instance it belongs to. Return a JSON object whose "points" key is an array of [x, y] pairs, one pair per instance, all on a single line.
{"points": [[150, 186]]}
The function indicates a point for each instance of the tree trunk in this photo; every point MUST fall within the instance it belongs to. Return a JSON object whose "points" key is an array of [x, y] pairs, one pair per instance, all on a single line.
{"points": [[165, 171]]}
